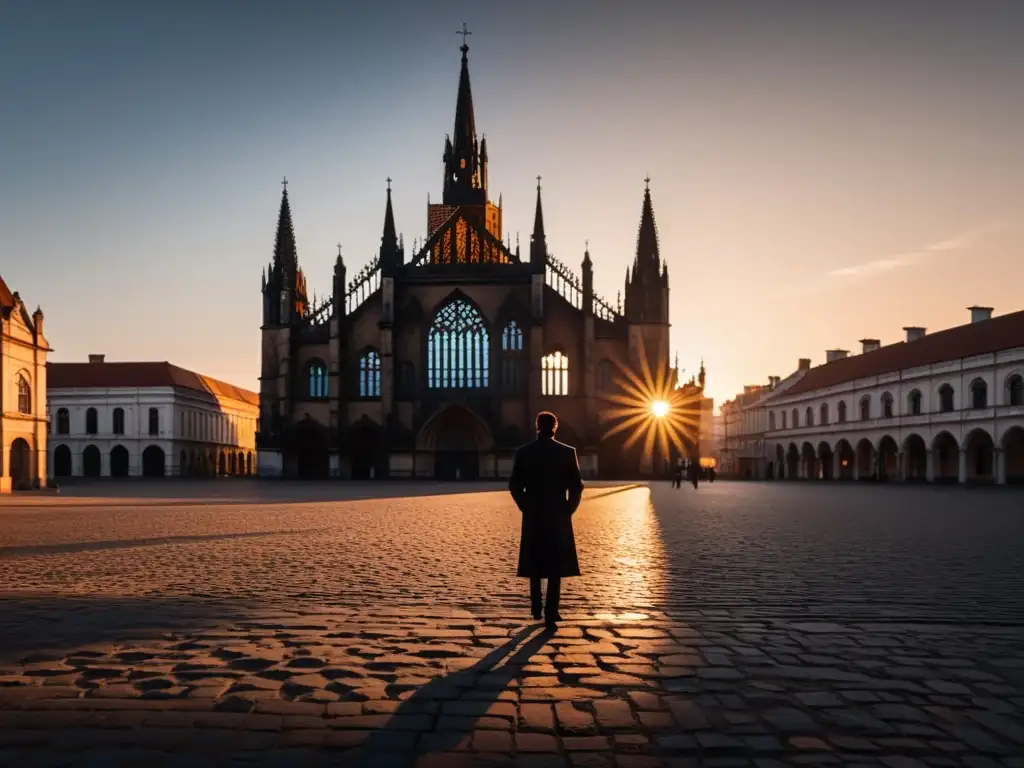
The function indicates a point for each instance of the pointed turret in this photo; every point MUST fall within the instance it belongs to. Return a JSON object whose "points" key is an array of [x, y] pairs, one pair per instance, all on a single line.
{"points": [[701, 375], [286, 254], [647, 256], [647, 279], [285, 286], [390, 253], [588, 280], [538, 241]]}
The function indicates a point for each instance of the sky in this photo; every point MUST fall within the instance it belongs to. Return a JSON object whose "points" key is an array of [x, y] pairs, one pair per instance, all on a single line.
{"points": [[821, 172]]}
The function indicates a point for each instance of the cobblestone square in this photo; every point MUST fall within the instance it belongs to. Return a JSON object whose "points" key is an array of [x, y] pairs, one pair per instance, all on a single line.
{"points": [[236, 623]]}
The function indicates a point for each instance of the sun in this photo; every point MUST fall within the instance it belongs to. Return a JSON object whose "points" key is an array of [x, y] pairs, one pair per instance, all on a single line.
{"points": [[648, 406]]}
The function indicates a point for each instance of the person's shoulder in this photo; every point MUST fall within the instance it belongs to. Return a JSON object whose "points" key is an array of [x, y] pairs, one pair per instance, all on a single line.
{"points": [[565, 447]]}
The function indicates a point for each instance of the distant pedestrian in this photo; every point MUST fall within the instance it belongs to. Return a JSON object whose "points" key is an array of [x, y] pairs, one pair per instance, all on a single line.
{"points": [[547, 487], [677, 474], [694, 474]]}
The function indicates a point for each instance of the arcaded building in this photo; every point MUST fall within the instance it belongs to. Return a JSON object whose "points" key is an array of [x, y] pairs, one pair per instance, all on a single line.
{"points": [[432, 363]]}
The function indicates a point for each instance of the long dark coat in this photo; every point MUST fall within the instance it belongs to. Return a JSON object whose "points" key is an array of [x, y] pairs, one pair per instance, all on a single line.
{"points": [[547, 487]]}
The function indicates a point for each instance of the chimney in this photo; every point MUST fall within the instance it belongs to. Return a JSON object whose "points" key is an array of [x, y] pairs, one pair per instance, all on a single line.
{"points": [[96, 358], [803, 364], [869, 345], [914, 333], [980, 314], [831, 355]]}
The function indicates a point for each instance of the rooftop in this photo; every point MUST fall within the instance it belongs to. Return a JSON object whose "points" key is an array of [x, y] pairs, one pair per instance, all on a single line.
{"points": [[113, 375], [6, 297], [976, 338]]}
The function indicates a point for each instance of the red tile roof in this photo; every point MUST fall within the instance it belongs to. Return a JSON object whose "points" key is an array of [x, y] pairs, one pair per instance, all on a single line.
{"points": [[985, 337], [6, 297], [112, 375]]}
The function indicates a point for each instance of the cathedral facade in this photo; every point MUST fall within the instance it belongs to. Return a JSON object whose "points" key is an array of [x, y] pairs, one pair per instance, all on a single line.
{"points": [[434, 365]]}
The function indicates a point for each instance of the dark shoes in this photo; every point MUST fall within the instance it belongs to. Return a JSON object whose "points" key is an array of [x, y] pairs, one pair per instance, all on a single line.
{"points": [[538, 612]]}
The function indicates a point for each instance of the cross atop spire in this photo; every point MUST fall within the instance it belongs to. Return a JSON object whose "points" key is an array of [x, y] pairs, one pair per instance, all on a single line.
{"points": [[284, 183], [389, 183], [339, 250], [465, 33], [647, 182]]}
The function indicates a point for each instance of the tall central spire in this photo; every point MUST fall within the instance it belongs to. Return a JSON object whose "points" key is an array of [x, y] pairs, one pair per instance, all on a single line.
{"points": [[464, 134], [465, 165]]}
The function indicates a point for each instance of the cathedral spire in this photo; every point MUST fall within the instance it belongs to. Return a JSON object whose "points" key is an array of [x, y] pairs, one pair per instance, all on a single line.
{"points": [[465, 159], [538, 242], [465, 122], [647, 257], [538, 217], [286, 254], [390, 252]]}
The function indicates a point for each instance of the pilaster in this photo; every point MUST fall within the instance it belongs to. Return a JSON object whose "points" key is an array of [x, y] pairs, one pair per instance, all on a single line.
{"points": [[962, 477]]}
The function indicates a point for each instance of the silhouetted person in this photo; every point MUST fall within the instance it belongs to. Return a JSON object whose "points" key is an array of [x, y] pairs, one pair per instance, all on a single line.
{"points": [[547, 487], [677, 474], [694, 474]]}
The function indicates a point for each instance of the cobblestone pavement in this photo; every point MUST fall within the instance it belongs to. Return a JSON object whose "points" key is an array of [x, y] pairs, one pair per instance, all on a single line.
{"points": [[741, 624]]}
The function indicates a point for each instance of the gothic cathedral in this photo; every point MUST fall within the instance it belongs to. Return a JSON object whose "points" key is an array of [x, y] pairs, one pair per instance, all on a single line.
{"points": [[435, 366]]}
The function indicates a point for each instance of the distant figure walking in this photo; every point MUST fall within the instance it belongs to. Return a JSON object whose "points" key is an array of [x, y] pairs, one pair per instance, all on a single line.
{"points": [[694, 474], [677, 474], [547, 487]]}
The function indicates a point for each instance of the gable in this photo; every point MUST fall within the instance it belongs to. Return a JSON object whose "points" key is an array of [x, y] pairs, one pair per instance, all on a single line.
{"points": [[463, 241]]}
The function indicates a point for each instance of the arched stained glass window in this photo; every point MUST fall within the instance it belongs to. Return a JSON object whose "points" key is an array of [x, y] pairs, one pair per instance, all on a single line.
{"points": [[369, 374], [511, 358], [512, 338], [554, 370], [316, 376], [457, 348]]}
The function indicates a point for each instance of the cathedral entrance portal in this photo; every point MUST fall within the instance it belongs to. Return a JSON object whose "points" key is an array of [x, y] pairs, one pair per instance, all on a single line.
{"points": [[311, 452], [456, 436]]}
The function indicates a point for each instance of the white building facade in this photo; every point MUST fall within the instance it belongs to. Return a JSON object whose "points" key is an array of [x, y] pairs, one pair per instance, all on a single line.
{"points": [[148, 420], [23, 350], [945, 407]]}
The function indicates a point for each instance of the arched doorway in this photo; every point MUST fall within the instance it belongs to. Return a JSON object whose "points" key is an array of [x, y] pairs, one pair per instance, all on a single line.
{"points": [[865, 460], [847, 459], [119, 461], [1013, 455], [888, 459], [792, 463], [153, 461], [249, 464], [222, 464], [825, 460], [810, 461], [946, 458], [457, 437], [21, 465], [915, 459], [368, 454], [62, 461], [92, 462], [309, 446], [980, 457]]}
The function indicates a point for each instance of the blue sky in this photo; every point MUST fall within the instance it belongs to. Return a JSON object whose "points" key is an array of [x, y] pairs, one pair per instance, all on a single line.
{"points": [[820, 173]]}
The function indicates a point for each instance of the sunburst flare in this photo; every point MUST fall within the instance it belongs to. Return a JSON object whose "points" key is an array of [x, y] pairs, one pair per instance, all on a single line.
{"points": [[651, 410]]}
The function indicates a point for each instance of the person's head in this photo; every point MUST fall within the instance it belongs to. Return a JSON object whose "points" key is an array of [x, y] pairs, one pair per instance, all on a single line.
{"points": [[547, 424]]}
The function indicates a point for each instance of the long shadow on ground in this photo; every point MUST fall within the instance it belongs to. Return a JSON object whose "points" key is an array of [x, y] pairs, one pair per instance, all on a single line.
{"points": [[482, 678]]}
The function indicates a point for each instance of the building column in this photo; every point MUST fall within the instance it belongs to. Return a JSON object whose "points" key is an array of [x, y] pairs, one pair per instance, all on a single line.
{"points": [[837, 466], [962, 478], [930, 466], [999, 462], [104, 464]]}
